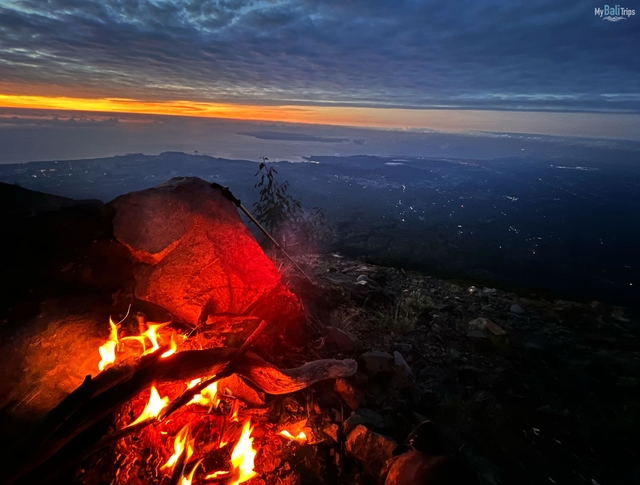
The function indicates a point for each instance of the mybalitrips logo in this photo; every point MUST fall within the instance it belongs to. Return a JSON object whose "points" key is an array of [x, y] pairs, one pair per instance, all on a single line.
{"points": [[615, 13]]}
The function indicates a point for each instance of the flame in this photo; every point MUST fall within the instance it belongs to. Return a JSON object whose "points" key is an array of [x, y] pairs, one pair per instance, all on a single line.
{"points": [[181, 443], [208, 396], [194, 382], [153, 407], [217, 474], [151, 334], [243, 455], [189, 478], [108, 349], [235, 407], [173, 349], [301, 436]]}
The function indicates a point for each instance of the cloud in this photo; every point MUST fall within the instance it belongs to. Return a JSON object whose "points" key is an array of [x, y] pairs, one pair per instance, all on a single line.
{"points": [[492, 54]]}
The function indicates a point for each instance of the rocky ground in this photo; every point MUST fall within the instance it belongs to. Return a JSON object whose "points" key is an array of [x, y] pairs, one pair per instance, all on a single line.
{"points": [[523, 390]]}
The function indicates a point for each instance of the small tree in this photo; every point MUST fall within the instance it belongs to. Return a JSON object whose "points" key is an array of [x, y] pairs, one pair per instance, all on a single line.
{"points": [[282, 215]]}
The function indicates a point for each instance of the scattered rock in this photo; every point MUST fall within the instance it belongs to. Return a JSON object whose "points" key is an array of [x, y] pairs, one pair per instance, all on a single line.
{"points": [[477, 335], [495, 329], [517, 309], [363, 416], [403, 347], [489, 291], [479, 323], [331, 430], [371, 449], [402, 370], [487, 325], [376, 361], [414, 468], [363, 279], [351, 395], [339, 339], [473, 290]]}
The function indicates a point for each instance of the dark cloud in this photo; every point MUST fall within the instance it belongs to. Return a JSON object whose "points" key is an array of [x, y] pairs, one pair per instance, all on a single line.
{"points": [[493, 54]]}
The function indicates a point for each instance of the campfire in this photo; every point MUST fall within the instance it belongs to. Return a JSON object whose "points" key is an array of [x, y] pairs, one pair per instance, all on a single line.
{"points": [[177, 401], [175, 395]]}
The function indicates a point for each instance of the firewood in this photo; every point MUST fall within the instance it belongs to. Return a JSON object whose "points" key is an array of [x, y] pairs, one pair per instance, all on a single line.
{"points": [[104, 394]]}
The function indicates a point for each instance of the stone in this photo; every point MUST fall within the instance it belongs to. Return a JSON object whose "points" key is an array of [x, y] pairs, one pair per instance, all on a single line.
{"points": [[339, 339], [371, 449], [476, 335], [376, 361], [331, 430], [363, 416], [414, 468], [351, 395], [363, 279], [479, 323], [401, 365], [403, 347], [473, 290], [195, 253], [489, 291], [517, 309], [485, 324], [495, 329]]}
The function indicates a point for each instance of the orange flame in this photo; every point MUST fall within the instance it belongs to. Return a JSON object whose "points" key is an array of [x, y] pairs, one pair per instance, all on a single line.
{"points": [[173, 349], [152, 335], [301, 436], [153, 407], [189, 478], [208, 396], [243, 456], [181, 443], [235, 408], [194, 382], [217, 474], [108, 349]]}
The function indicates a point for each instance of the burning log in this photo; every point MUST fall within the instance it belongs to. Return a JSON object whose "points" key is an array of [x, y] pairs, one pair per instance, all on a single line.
{"points": [[101, 396]]}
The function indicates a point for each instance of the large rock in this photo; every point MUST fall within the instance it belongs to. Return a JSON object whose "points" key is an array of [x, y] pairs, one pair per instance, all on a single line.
{"points": [[372, 449], [194, 251]]}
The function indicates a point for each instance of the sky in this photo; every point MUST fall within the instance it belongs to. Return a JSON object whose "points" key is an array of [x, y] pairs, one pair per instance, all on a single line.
{"points": [[495, 65]]}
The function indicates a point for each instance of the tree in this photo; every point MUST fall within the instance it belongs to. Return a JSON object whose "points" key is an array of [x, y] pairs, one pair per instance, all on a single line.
{"points": [[282, 214]]}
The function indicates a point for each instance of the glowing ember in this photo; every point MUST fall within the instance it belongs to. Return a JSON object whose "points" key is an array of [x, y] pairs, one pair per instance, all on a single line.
{"points": [[153, 407], [243, 455], [180, 443], [301, 436], [174, 347], [108, 350], [208, 396]]}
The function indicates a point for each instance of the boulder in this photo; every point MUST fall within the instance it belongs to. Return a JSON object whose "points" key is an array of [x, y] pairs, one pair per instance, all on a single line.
{"points": [[195, 253], [376, 361], [372, 449]]}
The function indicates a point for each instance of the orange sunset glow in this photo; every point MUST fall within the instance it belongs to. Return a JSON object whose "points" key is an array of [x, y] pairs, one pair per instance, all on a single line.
{"points": [[350, 116]]}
